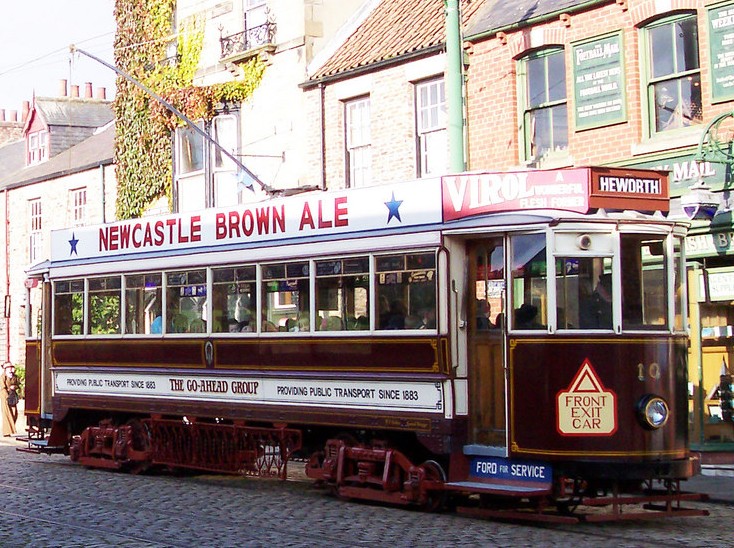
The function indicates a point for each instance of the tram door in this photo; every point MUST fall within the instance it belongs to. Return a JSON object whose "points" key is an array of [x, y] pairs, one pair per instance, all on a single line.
{"points": [[38, 382], [486, 342]]}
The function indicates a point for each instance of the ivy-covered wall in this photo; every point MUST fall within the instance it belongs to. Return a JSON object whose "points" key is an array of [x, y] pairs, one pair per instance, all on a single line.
{"points": [[144, 143]]}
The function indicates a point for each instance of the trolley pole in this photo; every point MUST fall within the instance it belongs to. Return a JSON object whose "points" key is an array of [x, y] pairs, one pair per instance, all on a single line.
{"points": [[243, 170], [455, 87]]}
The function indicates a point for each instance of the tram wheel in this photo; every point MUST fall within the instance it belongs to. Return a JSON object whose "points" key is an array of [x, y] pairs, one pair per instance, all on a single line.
{"points": [[569, 505], [141, 443], [348, 438], [435, 500]]}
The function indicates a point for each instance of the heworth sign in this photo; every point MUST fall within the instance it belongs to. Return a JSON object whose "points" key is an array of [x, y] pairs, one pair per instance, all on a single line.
{"points": [[412, 204]]}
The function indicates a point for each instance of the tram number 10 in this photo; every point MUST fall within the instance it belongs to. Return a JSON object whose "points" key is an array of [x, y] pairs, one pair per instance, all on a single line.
{"points": [[653, 371]]}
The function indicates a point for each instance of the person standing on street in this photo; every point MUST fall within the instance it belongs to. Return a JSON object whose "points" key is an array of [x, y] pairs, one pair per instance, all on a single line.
{"points": [[9, 399]]}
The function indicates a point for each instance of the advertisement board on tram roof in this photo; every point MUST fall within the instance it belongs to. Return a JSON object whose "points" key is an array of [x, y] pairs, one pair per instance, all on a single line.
{"points": [[413, 204]]}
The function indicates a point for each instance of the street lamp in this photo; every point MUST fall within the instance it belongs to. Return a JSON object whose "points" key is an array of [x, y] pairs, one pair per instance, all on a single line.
{"points": [[700, 203]]}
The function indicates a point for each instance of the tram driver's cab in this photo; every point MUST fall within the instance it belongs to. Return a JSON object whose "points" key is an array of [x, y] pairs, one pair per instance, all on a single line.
{"points": [[581, 279]]}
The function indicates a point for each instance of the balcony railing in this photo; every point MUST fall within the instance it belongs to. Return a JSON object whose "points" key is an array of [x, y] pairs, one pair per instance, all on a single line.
{"points": [[249, 39]]}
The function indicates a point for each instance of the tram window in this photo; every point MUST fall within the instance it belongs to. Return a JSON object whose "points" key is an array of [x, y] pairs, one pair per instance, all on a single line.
{"points": [[143, 298], [529, 273], [489, 290], [285, 299], [104, 309], [584, 293], [234, 299], [342, 294], [68, 307], [185, 302], [644, 281], [406, 291]]}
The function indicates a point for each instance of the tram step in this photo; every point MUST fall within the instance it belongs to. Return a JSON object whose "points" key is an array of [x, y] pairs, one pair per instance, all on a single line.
{"points": [[497, 489], [39, 446]]}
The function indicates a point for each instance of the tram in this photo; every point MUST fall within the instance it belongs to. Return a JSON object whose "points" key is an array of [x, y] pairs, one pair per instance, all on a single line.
{"points": [[510, 344]]}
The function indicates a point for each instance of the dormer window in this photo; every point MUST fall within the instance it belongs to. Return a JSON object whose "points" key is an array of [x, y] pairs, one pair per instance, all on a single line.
{"points": [[37, 147]]}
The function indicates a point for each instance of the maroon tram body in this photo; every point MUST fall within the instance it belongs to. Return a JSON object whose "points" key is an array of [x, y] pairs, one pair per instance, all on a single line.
{"points": [[535, 368], [392, 350]]}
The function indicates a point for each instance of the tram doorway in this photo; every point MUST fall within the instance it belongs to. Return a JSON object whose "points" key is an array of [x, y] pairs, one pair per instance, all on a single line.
{"points": [[486, 343]]}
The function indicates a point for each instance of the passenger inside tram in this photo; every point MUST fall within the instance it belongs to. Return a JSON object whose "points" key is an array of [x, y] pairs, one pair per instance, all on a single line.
{"points": [[484, 310], [595, 307], [395, 318], [526, 317], [500, 321], [429, 319], [603, 298], [156, 326]]}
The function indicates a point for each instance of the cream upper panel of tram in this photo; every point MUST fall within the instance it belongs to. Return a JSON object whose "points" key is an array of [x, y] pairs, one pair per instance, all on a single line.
{"points": [[346, 214]]}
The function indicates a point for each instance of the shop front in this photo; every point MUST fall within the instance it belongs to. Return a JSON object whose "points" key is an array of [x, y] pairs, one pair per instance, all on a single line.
{"points": [[711, 313]]}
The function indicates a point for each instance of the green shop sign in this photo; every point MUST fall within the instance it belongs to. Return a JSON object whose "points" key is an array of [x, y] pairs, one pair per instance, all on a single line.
{"points": [[598, 82], [710, 244], [721, 40], [684, 170]]}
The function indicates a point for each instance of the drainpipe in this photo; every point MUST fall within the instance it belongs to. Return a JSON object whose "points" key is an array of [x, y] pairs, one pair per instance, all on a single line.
{"points": [[322, 93], [104, 193], [7, 277], [455, 87]]}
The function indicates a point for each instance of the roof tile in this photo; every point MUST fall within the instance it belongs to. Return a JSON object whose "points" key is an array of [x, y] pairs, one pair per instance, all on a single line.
{"points": [[503, 13], [394, 28]]}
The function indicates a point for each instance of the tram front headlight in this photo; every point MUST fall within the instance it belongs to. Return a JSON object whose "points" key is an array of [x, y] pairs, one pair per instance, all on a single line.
{"points": [[653, 411]]}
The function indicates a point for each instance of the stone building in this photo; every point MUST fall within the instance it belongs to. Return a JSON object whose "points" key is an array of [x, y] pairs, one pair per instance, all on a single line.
{"points": [[268, 132], [11, 128], [60, 173]]}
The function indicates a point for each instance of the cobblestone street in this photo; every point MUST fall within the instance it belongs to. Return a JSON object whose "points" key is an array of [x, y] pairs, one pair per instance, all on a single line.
{"points": [[52, 502]]}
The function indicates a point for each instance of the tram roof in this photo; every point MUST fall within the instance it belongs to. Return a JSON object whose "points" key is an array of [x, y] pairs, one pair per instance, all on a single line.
{"points": [[460, 202]]}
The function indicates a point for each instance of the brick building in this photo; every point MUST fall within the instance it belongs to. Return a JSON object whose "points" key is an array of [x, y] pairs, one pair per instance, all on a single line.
{"points": [[608, 65]]}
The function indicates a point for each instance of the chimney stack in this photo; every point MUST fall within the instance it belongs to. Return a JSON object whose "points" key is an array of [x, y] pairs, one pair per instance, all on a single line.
{"points": [[102, 93], [75, 91], [62, 88], [26, 110], [13, 116], [2, 114], [88, 90]]}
